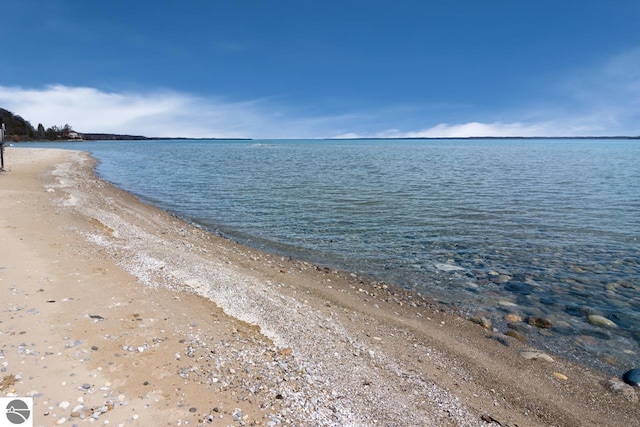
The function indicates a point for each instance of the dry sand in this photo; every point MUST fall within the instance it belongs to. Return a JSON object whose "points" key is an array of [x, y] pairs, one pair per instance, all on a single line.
{"points": [[114, 312]]}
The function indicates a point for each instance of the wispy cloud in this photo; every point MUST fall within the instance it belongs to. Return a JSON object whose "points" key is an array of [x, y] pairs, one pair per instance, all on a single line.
{"points": [[156, 113], [498, 129], [602, 100], [472, 129]]}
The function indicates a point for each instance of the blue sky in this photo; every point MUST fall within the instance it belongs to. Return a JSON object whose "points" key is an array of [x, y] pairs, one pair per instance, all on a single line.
{"points": [[316, 69]]}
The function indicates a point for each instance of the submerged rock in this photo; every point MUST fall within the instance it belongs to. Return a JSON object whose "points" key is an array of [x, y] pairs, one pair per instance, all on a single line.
{"points": [[513, 318], [482, 321], [597, 320], [632, 377], [520, 288], [448, 267], [539, 322], [505, 303]]}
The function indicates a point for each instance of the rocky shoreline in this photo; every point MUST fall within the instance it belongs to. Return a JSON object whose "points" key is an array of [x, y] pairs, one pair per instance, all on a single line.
{"points": [[118, 312]]}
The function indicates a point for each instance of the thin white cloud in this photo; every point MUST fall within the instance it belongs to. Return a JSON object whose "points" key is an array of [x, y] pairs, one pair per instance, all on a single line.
{"points": [[599, 101], [159, 113], [474, 129], [498, 129]]}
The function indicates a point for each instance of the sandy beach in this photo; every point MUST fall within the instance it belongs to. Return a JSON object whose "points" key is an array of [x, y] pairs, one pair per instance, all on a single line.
{"points": [[116, 313]]}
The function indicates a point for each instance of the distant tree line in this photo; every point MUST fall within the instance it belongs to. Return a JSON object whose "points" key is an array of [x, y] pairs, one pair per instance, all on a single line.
{"points": [[18, 129]]}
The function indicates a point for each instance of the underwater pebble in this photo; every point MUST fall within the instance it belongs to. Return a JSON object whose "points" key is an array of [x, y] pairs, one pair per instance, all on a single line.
{"points": [[448, 267], [539, 322], [632, 377], [482, 321], [513, 318], [597, 320]]}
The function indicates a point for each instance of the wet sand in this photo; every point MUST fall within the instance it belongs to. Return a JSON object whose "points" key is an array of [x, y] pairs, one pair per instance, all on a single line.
{"points": [[114, 312]]}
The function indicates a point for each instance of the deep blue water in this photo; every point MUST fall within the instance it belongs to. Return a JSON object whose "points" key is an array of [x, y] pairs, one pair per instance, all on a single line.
{"points": [[550, 225]]}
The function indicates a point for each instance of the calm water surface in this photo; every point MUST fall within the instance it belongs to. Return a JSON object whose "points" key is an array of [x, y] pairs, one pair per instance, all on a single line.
{"points": [[552, 226]]}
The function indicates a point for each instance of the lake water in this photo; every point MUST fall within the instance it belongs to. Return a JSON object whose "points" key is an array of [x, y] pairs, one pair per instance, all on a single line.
{"points": [[545, 228]]}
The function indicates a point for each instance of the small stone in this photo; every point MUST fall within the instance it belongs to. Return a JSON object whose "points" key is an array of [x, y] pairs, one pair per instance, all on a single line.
{"points": [[560, 376], [597, 320], [632, 377], [78, 411], [86, 386], [64, 404], [94, 348], [193, 409], [482, 321], [505, 303], [448, 267], [539, 322], [513, 318], [536, 355], [614, 385]]}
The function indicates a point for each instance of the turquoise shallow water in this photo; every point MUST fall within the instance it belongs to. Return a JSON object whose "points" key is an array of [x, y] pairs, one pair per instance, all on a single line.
{"points": [[535, 227]]}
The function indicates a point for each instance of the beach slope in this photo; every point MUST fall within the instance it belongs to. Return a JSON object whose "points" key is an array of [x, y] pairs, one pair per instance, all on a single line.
{"points": [[114, 311]]}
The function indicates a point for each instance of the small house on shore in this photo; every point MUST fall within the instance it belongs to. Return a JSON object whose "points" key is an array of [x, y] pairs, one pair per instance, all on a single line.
{"points": [[74, 135]]}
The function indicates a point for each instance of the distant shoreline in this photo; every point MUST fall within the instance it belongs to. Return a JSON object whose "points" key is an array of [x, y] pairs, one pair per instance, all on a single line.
{"points": [[115, 137]]}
